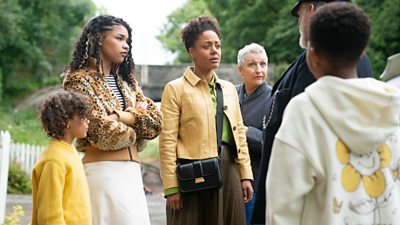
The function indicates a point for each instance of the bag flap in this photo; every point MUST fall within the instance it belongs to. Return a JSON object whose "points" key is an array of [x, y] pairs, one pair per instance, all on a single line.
{"points": [[199, 168]]}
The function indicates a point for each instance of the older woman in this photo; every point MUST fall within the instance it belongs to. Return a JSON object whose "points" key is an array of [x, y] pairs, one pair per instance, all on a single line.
{"points": [[253, 94]]}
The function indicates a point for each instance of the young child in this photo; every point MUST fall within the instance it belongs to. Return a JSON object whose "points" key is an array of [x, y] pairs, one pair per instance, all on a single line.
{"points": [[336, 157], [60, 190]]}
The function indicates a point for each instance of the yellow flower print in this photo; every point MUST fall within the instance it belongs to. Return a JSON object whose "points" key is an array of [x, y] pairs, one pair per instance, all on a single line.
{"points": [[366, 167]]}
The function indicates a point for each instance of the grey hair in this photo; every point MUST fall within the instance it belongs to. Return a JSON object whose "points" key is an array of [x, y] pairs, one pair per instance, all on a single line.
{"points": [[251, 48]]}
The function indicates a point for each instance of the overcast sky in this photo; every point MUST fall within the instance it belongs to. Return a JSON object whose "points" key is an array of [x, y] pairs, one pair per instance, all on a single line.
{"points": [[146, 18]]}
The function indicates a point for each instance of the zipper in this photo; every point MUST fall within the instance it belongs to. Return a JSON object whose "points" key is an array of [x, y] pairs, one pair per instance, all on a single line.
{"points": [[271, 112]]}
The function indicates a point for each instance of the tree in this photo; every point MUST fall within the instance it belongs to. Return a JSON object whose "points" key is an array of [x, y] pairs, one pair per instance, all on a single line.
{"points": [[169, 36], [270, 23], [385, 36], [36, 39], [244, 22], [282, 39]]}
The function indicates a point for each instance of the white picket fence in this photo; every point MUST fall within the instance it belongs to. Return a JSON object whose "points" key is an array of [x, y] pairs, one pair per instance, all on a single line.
{"points": [[25, 155], [22, 154], [5, 140]]}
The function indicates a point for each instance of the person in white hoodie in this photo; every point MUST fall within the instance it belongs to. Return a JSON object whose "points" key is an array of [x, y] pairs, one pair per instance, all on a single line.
{"points": [[336, 157]]}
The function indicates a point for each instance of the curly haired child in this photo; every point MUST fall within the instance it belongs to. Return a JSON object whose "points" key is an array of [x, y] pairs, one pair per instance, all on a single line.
{"points": [[60, 189]]}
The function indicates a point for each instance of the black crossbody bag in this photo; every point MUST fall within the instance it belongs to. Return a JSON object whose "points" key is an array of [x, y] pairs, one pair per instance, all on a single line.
{"points": [[203, 174]]}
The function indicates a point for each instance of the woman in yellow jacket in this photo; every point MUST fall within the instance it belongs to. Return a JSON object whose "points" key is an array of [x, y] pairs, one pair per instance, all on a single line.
{"points": [[189, 133]]}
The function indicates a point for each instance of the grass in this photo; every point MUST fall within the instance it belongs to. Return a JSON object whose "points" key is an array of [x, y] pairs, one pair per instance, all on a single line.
{"points": [[23, 125]]}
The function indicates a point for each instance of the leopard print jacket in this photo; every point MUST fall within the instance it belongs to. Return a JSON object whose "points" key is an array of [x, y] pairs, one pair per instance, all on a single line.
{"points": [[105, 133]]}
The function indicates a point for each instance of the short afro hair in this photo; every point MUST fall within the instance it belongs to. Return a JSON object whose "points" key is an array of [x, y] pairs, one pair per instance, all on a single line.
{"points": [[340, 31], [59, 108], [197, 26]]}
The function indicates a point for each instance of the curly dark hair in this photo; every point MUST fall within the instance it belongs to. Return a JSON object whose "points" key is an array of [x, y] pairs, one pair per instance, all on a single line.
{"points": [[59, 108], [340, 31], [197, 26], [88, 47]]}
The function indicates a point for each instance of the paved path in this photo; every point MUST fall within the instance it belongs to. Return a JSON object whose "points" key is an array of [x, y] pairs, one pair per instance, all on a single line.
{"points": [[155, 202]]}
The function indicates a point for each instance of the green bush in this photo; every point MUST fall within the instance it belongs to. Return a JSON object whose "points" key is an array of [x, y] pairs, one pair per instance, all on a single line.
{"points": [[150, 152], [1, 85], [18, 181], [51, 81]]}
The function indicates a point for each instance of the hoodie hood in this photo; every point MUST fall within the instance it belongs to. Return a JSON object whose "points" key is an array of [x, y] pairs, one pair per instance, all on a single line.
{"points": [[364, 113]]}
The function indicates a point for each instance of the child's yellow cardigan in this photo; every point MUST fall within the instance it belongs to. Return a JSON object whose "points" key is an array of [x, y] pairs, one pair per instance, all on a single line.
{"points": [[60, 189]]}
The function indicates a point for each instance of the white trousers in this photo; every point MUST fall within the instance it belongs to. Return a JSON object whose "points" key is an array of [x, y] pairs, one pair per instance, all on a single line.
{"points": [[116, 193]]}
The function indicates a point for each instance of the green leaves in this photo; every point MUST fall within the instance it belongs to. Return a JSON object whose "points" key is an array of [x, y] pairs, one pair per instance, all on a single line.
{"points": [[385, 36], [18, 181], [37, 38], [270, 23], [169, 34]]}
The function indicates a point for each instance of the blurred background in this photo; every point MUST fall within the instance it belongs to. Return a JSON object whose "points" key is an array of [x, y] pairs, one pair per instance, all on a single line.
{"points": [[37, 39]]}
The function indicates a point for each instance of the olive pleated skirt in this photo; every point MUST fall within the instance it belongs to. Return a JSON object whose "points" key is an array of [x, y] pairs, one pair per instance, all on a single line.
{"points": [[217, 207], [116, 193]]}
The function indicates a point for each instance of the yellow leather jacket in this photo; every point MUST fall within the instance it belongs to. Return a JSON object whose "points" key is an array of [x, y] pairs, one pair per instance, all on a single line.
{"points": [[189, 130]]}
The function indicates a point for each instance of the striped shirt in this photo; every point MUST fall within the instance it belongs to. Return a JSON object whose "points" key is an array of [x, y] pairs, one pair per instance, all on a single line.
{"points": [[114, 87]]}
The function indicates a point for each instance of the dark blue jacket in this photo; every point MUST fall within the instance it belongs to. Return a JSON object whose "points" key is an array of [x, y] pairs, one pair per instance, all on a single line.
{"points": [[253, 108]]}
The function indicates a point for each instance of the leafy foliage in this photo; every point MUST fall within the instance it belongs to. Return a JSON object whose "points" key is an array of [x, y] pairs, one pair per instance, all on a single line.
{"points": [[176, 20], [270, 23], [1, 85], [151, 151], [36, 40], [18, 181], [281, 42], [241, 22], [385, 38], [14, 217], [244, 22]]}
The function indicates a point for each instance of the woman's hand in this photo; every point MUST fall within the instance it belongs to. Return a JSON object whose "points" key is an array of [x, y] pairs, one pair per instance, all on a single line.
{"points": [[142, 105], [247, 190], [175, 201], [113, 116]]}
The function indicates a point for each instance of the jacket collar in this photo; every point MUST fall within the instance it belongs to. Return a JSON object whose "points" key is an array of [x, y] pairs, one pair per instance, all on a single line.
{"points": [[264, 87], [194, 79]]}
